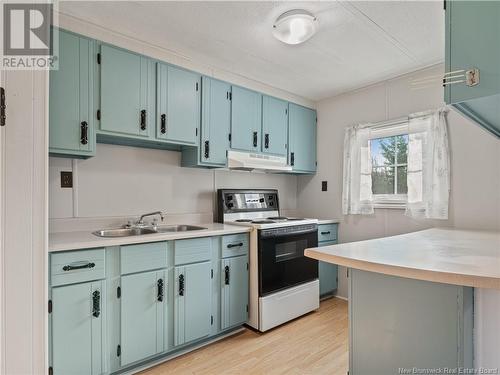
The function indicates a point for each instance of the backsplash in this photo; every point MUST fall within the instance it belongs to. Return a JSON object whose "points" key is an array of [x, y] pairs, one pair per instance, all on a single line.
{"points": [[122, 182]]}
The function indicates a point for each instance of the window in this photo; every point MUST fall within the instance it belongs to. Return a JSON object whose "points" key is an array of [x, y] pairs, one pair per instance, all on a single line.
{"points": [[389, 156]]}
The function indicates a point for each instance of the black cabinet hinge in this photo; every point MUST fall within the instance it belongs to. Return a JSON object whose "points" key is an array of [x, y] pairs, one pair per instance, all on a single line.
{"points": [[212, 274], [98, 114], [444, 4], [50, 306], [51, 370], [230, 96], [211, 320], [3, 107], [118, 292], [99, 58], [196, 132], [247, 308], [247, 266], [118, 351], [196, 86], [286, 111]]}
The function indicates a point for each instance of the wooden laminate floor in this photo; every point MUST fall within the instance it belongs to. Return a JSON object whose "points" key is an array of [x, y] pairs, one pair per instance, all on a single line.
{"points": [[314, 344]]}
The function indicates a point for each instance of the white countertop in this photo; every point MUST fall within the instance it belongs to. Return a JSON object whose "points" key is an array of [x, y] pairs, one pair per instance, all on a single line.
{"points": [[451, 256], [85, 239], [328, 221]]}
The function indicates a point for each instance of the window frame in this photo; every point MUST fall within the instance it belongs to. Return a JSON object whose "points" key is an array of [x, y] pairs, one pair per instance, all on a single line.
{"points": [[391, 201]]}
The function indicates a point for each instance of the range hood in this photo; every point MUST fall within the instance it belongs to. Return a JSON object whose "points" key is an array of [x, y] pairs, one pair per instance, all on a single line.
{"points": [[249, 161]]}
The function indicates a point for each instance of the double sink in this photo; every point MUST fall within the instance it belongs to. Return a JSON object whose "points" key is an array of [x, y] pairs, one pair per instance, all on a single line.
{"points": [[138, 231]]}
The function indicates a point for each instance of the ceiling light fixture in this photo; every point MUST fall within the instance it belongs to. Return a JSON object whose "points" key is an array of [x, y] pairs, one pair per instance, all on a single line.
{"points": [[295, 26]]}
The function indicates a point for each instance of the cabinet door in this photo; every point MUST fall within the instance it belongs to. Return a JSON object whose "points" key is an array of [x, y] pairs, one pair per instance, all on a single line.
{"points": [[234, 280], [127, 89], [192, 307], [327, 274], [77, 328], [473, 31], [246, 119], [274, 125], [142, 315], [302, 138], [215, 121], [178, 102], [71, 119]]}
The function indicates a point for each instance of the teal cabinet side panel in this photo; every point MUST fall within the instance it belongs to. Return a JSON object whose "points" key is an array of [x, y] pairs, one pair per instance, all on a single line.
{"points": [[71, 120], [473, 35], [126, 90], [246, 119], [234, 295], [274, 126], [78, 329], [193, 302], [434, 316], [140, 310], [328, 274], [216, 121], [302, 138], [179, 102]]}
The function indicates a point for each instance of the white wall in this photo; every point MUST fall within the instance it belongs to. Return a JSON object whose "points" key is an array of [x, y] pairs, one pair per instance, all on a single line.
{"points": [[475, 183], [125, 181], [475, 175]]}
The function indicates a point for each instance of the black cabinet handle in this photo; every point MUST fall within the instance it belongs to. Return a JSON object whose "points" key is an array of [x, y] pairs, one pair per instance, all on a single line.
{"points": [[160, 290], [325, 232], [266, 141], [69, 267], [255, 134], [207, 149], [292, 159], [181, 285], [143, 119], [226, 275], [96, 304], [231, 245], [84, 133], [163, 126]]}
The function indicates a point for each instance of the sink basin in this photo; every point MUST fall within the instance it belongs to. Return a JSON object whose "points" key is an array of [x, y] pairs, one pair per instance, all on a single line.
{"points": [[177, 228], [127, 232], [123, 232]]}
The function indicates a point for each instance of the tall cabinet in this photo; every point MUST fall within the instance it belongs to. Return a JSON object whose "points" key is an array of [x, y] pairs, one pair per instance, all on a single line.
{"points": [[302, 139]]}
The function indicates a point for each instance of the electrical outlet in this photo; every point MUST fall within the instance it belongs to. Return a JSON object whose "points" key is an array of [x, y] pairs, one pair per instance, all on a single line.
{"points": [[66, 179], [324, 185]]}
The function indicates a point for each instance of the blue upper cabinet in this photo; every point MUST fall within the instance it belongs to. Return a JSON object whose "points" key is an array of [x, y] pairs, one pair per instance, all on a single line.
{"points": [[127, 92], [215, 121], [246, 119], [71, 118], [302, 139], [472, 34], [274, 125], [178, 104]]}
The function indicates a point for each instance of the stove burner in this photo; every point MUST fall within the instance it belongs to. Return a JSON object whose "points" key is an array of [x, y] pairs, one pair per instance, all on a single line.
{"points": [[263, 222], [284, 218], [294, 218], [243, 221]]}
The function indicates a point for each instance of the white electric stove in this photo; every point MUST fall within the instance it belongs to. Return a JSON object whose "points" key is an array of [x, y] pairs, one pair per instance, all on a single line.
{"points": [[283, 282]]}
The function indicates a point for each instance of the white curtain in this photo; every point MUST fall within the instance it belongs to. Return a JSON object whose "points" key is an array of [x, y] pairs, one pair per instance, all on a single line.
{"points": [[357, 193], [428, 166]]}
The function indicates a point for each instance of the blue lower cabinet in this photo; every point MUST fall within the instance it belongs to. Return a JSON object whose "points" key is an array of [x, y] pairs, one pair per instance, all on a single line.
{"points": [[77, 328], [234, 291], [192, 302], [143, 309], [328, 273]]}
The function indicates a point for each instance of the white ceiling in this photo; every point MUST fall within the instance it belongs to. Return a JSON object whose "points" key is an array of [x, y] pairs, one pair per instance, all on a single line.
{"points": [[358, 43]]}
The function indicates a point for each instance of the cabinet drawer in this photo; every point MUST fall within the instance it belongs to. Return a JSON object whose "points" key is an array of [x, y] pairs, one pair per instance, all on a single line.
{"points": [[77, 266], [143, 257], [192, 250], [327, 232], [234, 245]]}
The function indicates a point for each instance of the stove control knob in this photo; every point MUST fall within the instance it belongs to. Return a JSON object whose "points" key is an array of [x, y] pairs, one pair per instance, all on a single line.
{"points": [[261, 200], [271, 203], [229, 205]]}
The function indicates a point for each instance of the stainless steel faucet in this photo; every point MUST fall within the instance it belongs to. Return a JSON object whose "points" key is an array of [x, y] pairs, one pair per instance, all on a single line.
{"points": [[140, 222]]}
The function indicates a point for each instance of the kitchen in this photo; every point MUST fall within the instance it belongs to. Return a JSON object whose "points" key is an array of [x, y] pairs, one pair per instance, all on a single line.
{"points": [[183, 82]]}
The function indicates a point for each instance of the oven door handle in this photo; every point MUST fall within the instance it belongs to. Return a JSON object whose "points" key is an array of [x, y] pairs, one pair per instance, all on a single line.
{"points": [[263, 234]]}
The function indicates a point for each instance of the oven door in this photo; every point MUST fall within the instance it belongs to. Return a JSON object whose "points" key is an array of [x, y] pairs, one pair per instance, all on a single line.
{"points": [[282, 263]]}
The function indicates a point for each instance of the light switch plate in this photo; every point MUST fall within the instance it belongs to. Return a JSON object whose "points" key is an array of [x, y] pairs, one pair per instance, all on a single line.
{"points": [[324, 185]]}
